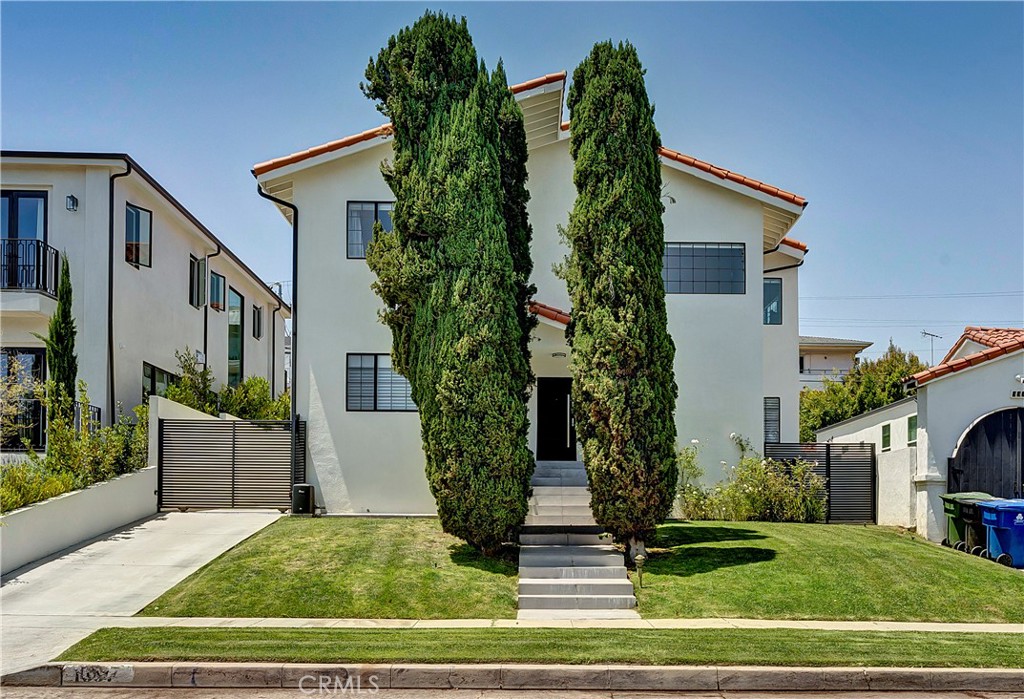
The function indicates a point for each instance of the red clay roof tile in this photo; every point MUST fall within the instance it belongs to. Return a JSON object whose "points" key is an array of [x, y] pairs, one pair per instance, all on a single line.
{"points": [[998, 341]]}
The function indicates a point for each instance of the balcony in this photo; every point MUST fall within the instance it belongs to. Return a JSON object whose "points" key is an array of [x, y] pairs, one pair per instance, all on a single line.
{"points": [[28, 265]]}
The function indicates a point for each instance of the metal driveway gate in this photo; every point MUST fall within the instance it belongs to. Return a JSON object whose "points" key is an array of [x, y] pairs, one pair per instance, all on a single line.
{"points": [[229, 463], [849, 472]]}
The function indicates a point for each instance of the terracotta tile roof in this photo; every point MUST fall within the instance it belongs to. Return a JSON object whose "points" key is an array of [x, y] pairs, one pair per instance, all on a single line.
{"points": [[549, 312], [724, 174], [999, 341], [537, 82], [380, 131], [794, 243]]}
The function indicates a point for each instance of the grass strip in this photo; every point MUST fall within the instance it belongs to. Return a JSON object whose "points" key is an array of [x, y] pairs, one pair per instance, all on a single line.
{"points": [[793, 647]]}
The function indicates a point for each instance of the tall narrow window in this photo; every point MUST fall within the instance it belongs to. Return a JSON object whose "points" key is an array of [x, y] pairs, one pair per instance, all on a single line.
{"points": [[138, 236], [704, 268], [361, 217], [236, 337], [773, 302], [196, 281], [257, 322], [772, 420], [886, 437], [216, 291], [912, 431], [372, 385]]}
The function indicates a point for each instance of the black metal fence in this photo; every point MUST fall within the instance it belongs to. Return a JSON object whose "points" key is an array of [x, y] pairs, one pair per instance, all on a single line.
{"points": [[849, 472], [229, 463], [29, 265], [27, 428]]}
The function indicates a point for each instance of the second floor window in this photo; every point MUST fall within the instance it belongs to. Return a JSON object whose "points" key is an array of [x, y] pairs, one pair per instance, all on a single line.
{"points": [[704, 268], [361, 217], [196, 281], [138, 236], [773, 302], [216, 291]]}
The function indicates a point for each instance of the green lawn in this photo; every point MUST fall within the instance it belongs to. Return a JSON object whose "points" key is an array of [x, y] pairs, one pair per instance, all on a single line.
{"points": [[814, 571], [347, 567], [530, 645]]}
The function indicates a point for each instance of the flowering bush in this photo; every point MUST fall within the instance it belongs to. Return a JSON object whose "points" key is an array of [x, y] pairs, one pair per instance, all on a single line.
{"points": [[757, 490]]}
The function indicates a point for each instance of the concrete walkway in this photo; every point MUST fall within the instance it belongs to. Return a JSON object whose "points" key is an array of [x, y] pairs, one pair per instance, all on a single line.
{"points": [[50, 605]]}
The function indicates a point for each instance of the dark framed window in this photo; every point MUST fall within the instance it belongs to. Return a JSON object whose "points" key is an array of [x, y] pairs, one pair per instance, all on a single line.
{"points": [[361, 217], [196, 281], [257, 322], [138, 236], [27, 423], [155, 380], [773, 301], [236, 337], [704, 268], [23, 214], [886, 437], [772, 420], [372, 385], [217, 291], [912, 431]]}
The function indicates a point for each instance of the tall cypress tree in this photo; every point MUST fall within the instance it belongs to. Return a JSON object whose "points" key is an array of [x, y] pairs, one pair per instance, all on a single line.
{"points": [[61, 359], [624, 391], [454, 276]]}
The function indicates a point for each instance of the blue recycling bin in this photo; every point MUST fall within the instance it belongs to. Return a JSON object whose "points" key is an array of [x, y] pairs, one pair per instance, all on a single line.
{"points": [[1004, 525]]}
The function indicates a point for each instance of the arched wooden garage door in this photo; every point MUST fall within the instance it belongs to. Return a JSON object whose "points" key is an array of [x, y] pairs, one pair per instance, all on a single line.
{"points": [[989, 457]]}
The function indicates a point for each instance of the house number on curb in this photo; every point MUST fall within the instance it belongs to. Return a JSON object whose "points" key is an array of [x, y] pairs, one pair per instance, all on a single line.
{"points": [[103, 673]]}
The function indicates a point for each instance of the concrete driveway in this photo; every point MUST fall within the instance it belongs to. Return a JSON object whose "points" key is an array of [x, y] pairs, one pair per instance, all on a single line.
{"points": [[48, 606]]}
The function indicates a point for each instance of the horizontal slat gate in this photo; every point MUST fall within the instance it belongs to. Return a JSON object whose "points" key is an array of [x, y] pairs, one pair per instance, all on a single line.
{"points": [[849, 473], [229, 463]]}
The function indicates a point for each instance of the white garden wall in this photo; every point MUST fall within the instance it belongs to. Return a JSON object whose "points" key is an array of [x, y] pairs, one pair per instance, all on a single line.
{"points": [[42, 529], [896, 492]]}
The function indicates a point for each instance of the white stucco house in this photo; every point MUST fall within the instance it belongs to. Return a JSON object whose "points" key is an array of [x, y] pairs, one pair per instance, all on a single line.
{"points": [[731, 279], [148, 277], [962, 431], [827, 358]]}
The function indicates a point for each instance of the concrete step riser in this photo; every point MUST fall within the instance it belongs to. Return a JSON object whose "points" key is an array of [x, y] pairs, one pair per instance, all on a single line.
{"points": [[554, 481], [561, 510], [573, 572], [561, 491], [575, 588], [570, 561], [555, 501], [577, 602], [561, 540], [571, 521]]}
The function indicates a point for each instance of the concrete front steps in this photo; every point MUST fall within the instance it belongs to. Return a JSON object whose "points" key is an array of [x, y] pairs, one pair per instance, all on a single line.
{"points": [[567, 571]]}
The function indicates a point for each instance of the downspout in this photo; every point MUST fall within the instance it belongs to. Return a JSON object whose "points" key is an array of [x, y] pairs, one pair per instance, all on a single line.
{"points": [[273, 350], [295, 301], [206, 306], [110, 294]]}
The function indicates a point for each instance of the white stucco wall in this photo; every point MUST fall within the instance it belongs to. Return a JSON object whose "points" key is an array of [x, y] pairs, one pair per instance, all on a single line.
{"points": [[152, 316], [897, 496], [373, 461], [42, 529], [947, 407], [780, 368]]}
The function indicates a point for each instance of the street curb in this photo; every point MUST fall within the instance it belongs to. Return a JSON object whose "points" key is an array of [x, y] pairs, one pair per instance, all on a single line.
{"points": [[334, 677]]}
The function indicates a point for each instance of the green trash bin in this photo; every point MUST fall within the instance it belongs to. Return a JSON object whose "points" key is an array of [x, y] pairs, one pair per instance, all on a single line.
{"points": [[964, 529]]}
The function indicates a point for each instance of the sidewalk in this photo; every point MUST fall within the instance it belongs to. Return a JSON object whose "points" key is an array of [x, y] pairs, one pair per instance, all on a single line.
{"points": [[51, 605]]}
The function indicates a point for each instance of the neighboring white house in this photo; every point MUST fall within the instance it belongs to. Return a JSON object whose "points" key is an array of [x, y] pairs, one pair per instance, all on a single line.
{"points": [[827, 358], [961, 432], [730, 275], [148, 279]]}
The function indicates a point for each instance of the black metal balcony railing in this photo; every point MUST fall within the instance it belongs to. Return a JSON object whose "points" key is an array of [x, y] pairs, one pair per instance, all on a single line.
{"points": [[29, 265], [28, 427]]}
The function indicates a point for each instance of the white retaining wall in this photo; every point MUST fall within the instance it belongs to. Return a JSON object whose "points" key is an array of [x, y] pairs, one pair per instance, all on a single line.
{"points": [[46, 527]]}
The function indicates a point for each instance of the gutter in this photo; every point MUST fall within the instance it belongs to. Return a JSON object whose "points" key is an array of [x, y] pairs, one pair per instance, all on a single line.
{"points": [[206, 306], [779, 269], [294, 305], [111, 402]]}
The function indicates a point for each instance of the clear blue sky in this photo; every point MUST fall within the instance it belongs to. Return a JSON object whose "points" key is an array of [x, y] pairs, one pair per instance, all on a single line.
{"points": [[903, 124]]}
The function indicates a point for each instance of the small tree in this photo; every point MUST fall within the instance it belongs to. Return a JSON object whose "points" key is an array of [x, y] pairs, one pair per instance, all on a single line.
{"points": [[194, 386], [60, 339], [624, 391], [251, 400]]}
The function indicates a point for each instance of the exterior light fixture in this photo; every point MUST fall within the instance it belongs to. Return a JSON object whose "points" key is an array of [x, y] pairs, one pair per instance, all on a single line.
{"points": [[71, 202]]}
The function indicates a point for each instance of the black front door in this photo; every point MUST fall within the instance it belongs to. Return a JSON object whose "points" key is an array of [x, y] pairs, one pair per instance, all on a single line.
{"points": [[556, 432], [989, 457]]}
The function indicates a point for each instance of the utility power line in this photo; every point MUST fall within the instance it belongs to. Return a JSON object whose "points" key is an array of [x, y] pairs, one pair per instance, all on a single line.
{"points": [[882, 297]]}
